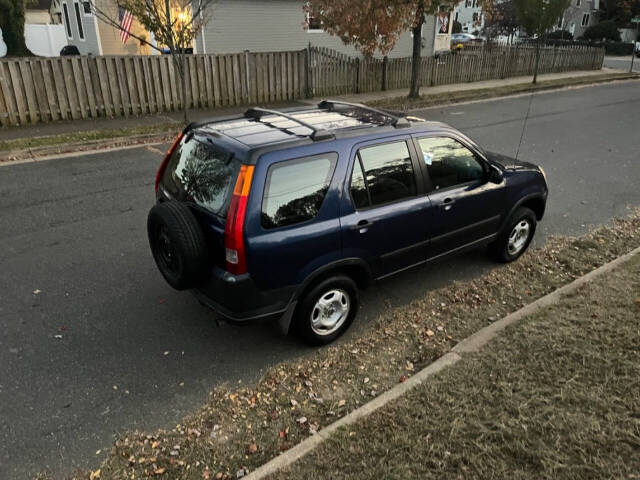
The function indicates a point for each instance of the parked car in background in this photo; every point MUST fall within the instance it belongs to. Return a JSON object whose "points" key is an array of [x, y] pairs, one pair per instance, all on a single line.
{"points": [[285, 215], [464, 38]]}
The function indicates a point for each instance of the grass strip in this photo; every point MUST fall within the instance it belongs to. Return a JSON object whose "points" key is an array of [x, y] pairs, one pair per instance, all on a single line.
{"points": [[404, 104], [556, 396], [83, 137], [241, 428]]}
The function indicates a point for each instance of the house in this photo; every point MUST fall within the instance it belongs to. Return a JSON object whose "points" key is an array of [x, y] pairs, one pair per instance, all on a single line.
{"points": [[276, 25], [86, 29], [470, 15], [233, 26], [43, 34], [580, 15]]}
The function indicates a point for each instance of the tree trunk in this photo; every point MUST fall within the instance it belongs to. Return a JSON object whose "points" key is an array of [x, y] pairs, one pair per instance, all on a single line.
{"points": [[416, 57], [537, 62]]}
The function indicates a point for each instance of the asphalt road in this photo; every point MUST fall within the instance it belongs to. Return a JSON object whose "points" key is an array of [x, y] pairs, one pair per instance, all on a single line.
{"points": [[622, 63], [134, 354]]}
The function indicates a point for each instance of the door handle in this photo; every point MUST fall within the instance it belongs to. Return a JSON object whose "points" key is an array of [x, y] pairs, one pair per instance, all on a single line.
{"points": [[362, 226], [447, 204]]}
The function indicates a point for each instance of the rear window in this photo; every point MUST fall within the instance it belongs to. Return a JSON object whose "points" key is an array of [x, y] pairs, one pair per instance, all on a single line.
{"points": [[295, 189], [202, 172]]}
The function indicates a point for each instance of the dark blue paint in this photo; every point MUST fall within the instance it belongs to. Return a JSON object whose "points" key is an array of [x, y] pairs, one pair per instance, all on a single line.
{"points": [[282, 261]]}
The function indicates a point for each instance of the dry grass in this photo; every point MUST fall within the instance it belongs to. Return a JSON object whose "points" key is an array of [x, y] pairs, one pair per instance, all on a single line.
{"points": [[555, 397], [242, 428], [69, 139], [404, 104]]}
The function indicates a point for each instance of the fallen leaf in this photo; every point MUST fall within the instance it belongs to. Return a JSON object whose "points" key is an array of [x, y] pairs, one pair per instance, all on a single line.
{"points": [[94, 475], [430, 333], [58, 337], [341, 403], [403, 378], [159, 471], [302, 420], [155, 444], [98, 452], [206, 474], [294, 402], [253, 448], [36, 292]]}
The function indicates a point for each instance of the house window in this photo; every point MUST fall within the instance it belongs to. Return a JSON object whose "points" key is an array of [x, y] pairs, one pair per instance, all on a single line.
{"points": [[67, 22], [76, 6], [578, 2], [560, 22], [86, 6], [313, 24], [585, 19], [466, 3]]}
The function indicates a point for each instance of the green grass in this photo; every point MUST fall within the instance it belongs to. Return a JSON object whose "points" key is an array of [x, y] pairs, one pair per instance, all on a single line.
{"points": [[404, 103], [555, 397], [82, 137]]}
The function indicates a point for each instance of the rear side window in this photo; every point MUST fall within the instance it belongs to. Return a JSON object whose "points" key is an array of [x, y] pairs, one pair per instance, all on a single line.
{"points": [[295, 189], [203, 173], [382, 174]]}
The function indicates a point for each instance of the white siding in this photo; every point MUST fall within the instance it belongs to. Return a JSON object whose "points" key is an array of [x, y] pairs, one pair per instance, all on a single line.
{"points": [[276, 25]]}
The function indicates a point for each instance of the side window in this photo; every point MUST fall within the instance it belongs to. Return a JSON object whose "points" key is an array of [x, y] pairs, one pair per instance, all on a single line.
{"points": [[295, 189], [382, 174], [449, 163]]}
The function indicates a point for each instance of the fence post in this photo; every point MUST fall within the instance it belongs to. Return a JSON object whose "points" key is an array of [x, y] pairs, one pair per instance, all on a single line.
{"points": [[247, 76], [385, 62], [308, 89], [357, 85]]}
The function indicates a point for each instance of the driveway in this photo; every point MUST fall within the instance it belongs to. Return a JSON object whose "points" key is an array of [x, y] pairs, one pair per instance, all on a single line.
{"points": [[93, 340]]}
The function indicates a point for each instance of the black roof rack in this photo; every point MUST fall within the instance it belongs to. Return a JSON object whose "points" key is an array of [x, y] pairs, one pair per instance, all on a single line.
{"points": [[318, 133], [396, 121]]}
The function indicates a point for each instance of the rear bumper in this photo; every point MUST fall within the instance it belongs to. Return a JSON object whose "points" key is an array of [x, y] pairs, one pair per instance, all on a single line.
{"points": [[238, 298]]}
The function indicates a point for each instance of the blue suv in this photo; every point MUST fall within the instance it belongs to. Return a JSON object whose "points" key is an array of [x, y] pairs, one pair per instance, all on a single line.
{"points": [[284, 215]]}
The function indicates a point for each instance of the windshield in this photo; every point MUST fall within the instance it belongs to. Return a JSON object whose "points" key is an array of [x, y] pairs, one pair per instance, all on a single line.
{"points": [[201, 172]]}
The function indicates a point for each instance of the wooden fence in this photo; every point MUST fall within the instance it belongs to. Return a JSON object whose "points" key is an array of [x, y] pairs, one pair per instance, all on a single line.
{"points": [[335, 74], [36, 90]]}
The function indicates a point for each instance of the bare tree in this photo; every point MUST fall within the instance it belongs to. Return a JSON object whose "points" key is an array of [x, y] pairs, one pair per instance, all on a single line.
{"points": [[174, 24], [538, 16]]}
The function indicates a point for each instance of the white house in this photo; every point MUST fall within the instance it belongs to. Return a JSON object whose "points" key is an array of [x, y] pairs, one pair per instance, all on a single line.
{"points": [[470, 15]]}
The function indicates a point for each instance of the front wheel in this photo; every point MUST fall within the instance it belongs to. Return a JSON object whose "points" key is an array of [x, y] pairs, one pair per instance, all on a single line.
{"points": [[516, 236], [327, 310]]}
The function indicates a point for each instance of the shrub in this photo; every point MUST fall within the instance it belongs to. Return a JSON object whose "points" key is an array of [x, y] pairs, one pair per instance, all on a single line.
{"points": [[603, 30]]}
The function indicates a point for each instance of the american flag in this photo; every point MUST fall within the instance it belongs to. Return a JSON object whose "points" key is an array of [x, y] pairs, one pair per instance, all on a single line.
{"points": [[125, 18]]}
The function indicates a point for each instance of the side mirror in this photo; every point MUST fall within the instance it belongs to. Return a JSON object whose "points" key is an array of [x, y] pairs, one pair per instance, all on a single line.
{"points": [[495, 175]]}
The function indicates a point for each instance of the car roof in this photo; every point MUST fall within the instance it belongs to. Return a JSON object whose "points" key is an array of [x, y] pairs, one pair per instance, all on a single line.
{"points": [[260, 130]]}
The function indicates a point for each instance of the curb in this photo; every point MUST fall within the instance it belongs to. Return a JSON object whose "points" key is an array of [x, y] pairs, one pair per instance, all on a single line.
{"points": [[471, 344]]}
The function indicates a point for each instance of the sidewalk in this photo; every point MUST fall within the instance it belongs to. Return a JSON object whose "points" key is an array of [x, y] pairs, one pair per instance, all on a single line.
{"points": [[76, 126], [556, 396]]}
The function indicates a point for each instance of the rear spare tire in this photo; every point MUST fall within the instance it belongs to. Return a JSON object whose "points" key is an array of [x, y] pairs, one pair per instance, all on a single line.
{"points": [[177, 244]]}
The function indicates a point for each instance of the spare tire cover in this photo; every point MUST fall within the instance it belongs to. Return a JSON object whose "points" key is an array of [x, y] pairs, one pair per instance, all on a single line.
{"points": [[178, 245]]}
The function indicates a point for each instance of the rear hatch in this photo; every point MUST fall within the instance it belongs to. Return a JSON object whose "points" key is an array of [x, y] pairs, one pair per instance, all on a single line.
{"points": [[203, 175]]}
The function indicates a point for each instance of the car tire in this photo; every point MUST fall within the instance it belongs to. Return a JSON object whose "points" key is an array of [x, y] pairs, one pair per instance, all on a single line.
{"points": [[327, 310], [177, 244], [516, 236]]}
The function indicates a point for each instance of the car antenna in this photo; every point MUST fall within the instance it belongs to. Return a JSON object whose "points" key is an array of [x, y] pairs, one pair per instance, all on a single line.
{"points": [[524, 125]]}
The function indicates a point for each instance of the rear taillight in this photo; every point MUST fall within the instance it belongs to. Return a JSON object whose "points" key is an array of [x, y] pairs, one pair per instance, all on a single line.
{"points": [[163, 165], [233, 234]]}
